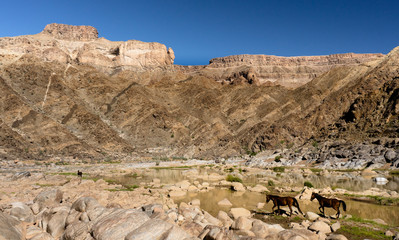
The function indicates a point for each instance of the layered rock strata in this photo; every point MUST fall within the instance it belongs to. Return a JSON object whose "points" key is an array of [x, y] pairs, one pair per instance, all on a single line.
{"points": [[274, 70], [80, 44]]}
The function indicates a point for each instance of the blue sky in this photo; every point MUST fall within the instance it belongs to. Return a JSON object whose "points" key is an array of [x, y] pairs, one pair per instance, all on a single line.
{"points": [[200, 30]]}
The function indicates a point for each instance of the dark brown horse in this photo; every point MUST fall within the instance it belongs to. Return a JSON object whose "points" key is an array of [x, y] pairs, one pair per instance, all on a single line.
{"points": [[283, 201], [328, 202]]}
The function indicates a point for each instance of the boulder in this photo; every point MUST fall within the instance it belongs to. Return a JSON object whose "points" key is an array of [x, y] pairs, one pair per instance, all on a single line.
{"points": [[258, 188], [335, 226], [390, 155], [183, 184], [118, 224], [77, 231], [294, 234], [22, 212], [85, 204], [47, 199], [157, 229], [242, 223], [10, 228], [237, 186], [320, 226], [177, 193], [311, 216], [240, 212], [225, 202], [195, 203], [192, 188], [56, 224], [192, 228], [212, 220], [32, 231], [336, 237], [43, 236], [305, 194], [225, 219]]}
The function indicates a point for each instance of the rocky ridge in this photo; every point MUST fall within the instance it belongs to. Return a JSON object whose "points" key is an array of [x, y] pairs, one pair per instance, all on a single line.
{"points": [[68, 44], [68, 92], [290, 72]]}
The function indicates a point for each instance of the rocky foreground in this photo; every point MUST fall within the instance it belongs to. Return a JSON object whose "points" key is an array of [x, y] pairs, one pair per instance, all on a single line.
{"points": [[60, 205]]}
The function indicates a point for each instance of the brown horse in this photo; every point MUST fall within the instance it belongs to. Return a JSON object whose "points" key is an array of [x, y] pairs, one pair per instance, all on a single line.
{"points": [[283, 201], [328, 202]]}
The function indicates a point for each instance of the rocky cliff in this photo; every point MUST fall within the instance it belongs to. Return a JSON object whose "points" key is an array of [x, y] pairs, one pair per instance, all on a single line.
{"points": [[80, 44], [290, 72], [59, 98]]}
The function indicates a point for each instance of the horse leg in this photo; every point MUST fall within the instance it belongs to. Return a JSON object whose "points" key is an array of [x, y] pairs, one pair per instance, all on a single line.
{"points": [[322, 210], [338, 212], [273, 209], [289, 206]]}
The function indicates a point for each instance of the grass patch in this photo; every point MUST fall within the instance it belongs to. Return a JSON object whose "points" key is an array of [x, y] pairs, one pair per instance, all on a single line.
{"points": [[308, 184], [315, 170], [394, 172], [358, 232], [175, 167], [277, 158], [231, 178], [179, 158], [345, 170], [278, 169], [270, 183], [65, 173], [378, 199], [132, 175], [127, 188]]}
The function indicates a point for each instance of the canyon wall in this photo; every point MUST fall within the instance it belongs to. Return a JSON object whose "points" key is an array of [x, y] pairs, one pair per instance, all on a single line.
{"points": [[80, 44], [290, 72]]}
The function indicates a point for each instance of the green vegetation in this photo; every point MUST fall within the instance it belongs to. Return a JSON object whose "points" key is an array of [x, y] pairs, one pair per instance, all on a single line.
{"points": [[61, 163], [270, 183], [315, 144], [378, 199], [394, 172], [229, 170], [132, 175], [65, 173], [315, 170], [178, 158], [277, 158], [173, 167], [360, 232], [232, 178], [308, 184], [279, 169], [127, 188]]}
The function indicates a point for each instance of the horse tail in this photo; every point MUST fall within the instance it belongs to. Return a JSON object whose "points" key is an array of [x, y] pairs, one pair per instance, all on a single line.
{"points": [[296, 204], [343, 204]]}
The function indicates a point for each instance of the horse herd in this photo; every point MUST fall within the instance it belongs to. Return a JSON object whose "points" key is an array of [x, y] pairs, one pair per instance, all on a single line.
{"points": [[290, 201]]}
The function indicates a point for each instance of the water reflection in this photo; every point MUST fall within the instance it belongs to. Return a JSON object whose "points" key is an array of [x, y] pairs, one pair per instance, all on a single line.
{"points": [[249, 200]]}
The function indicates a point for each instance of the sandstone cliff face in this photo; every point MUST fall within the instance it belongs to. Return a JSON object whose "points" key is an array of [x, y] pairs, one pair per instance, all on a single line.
{"points": [[59, 98], [273, 70], [80, 44]]}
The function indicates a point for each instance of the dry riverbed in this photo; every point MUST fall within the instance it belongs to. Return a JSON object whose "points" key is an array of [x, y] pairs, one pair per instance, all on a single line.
{"points": [[188, 199]]}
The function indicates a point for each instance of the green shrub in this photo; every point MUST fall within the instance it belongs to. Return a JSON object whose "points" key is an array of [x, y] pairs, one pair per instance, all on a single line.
{"points": [[232, 178], [278, 169], [277, 158], [308, 184], [270, 183]]}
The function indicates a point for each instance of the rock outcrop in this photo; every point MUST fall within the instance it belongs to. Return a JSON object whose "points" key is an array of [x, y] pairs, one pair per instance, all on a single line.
{"points": [[290, 72], [80, 44]]}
